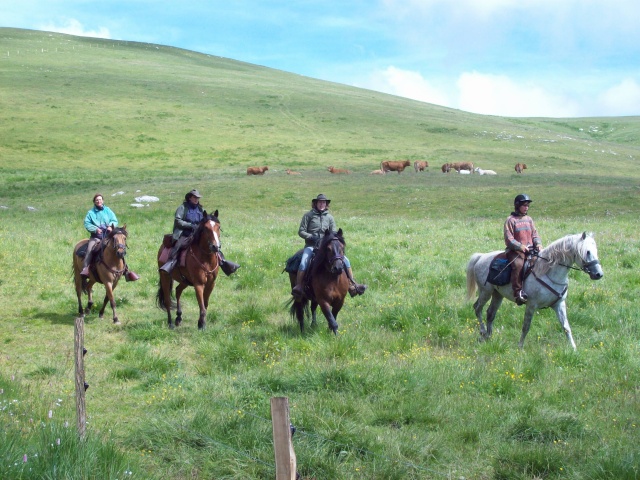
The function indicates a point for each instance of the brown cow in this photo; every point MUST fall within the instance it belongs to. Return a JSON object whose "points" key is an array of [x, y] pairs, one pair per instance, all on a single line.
{"points": [[457, 166], [337, 170], [446, 167], [256, 170], [377, 172], [291, 172], [420, 166], [398, 166], [520, 167]]}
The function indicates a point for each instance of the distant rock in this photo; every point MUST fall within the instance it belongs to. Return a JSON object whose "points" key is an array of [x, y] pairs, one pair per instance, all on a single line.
{"points": [[32, 209], [146, 198], [139, 205], [117, 193]]}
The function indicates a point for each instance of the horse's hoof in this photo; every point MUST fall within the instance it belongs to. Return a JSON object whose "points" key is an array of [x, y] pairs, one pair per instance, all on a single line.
{"points": [[171, 327], [116, 322], [201, 326]]}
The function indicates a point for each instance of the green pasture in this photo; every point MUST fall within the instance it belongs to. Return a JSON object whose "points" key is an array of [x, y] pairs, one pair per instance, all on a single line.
{"points": [[405, 390]]}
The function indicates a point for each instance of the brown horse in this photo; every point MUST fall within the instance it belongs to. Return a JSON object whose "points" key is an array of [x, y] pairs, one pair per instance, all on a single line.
{"points": [[328, 285], [199, 269], [108, 268]]}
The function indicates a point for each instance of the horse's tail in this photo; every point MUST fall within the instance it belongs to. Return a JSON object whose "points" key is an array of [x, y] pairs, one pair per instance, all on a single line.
{"points": [[161, 302], [471, 276]]}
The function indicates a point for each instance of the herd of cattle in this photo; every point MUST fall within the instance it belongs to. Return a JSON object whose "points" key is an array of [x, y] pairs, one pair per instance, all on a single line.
{"points": [[400, 165]]}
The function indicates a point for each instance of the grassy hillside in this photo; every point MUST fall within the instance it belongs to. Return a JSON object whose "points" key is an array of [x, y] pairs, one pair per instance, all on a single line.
{"points": [[405, 390]]}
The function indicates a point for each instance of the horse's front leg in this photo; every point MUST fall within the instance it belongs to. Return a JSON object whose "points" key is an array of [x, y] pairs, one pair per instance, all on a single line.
{"points": [[108, 286], [526, 324], [328, 314], [202, 320], [561, 312], [179, 289]]}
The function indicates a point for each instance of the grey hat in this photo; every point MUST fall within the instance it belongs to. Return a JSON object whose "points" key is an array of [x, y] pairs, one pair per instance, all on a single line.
{"points": [[192, 193], [322, 196]]}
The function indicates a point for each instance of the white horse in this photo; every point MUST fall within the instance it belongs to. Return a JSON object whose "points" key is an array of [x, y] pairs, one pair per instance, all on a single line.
{"points": [[546, 286]]}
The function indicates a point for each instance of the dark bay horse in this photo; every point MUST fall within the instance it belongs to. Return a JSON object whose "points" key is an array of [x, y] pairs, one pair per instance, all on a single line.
{"points": [[199, 270], [547, 285], [329, 283], [108, 269]]}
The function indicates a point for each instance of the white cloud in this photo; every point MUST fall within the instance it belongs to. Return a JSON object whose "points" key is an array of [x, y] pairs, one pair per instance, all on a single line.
{"points": [[621, 99], [500, 95], [406, 83], [74, 27]]}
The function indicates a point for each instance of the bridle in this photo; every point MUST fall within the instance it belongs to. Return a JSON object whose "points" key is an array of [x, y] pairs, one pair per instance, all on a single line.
{"points": [[337, 256]]}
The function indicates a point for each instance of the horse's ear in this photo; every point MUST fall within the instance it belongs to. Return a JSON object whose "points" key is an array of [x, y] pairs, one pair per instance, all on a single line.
{"points": [[584, 235], [215, 214], [340, 232], [124, 227], [204, 216]]}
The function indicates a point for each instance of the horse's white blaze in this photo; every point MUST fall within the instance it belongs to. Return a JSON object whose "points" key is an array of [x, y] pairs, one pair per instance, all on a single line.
{"points": [[215, 234]]}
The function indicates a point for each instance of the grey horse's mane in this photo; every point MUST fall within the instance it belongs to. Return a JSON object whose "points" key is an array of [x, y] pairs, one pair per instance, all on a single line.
{"points": [[564, 251]]}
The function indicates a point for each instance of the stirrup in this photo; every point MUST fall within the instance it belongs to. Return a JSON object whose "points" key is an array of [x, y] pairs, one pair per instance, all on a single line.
{"points": [[131, 276], [229, 267], [356, 289]]}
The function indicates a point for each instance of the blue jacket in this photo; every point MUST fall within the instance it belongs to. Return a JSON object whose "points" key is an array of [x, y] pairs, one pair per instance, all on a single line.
{"points": [[99, 218]]}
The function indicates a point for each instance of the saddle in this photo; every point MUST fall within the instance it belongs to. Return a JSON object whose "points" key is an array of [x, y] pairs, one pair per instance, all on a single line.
{"points": [[500, 269], [82, 250], [167, 246]]}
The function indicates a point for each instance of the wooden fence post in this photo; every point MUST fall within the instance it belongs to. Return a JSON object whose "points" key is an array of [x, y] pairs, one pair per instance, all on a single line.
{"points": [[282, 444], [81, 386]]}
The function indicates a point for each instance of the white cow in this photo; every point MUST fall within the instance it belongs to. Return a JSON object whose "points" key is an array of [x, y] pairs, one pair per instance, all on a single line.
{"points": [[479, 171]]}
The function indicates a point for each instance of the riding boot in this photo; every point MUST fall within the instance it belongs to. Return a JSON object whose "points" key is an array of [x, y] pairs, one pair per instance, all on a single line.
{"points": [[227, 266], [298, 290], [354, 288], [85, 267], [130, 275], [168, 267]]}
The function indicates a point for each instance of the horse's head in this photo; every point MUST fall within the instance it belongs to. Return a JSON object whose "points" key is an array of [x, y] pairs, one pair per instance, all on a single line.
{"points": [[331, 251], [588, 257], [118, 239], [208, 232]]}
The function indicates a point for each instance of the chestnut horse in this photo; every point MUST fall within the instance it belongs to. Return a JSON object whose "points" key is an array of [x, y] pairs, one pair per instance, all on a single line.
{"points": [[108, 269], [199, 269], [328, 285]]}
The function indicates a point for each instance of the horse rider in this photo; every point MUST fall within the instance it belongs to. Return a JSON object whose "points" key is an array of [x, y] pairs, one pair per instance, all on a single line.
{"points": [[312, 227], [99, 222], [187, 217], [521, 238]]}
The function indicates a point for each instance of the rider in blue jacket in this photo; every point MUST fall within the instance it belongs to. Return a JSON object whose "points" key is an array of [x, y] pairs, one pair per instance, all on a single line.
{"points": [[99, 221]]}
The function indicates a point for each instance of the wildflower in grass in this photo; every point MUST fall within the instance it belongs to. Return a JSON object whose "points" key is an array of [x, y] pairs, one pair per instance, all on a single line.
{"points": [[24, 458], [50, 413]]}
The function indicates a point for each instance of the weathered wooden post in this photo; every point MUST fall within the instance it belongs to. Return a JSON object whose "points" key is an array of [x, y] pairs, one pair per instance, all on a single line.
{"points": [[282, 444], [81, 386]]}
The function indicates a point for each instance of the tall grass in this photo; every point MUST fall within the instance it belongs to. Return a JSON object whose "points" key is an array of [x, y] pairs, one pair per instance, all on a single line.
{"points": [[405, 390]]}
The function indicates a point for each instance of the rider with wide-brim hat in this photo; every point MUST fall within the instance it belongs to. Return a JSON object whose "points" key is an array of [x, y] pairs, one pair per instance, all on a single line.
{"points": [[520, 237], [312, 227]]}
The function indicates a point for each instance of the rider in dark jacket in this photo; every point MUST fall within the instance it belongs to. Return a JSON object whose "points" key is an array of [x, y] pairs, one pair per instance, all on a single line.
{"points": [[186, 220]]}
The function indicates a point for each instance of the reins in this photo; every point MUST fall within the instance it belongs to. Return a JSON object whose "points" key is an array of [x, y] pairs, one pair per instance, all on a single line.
{"points": [[584, 268]]}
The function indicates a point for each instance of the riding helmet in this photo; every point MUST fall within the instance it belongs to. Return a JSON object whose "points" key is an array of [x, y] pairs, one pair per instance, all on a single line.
{"points": [[520, 199]]}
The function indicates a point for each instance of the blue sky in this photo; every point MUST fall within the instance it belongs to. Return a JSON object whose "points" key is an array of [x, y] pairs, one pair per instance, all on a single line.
{"points": [[551, 58]]}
